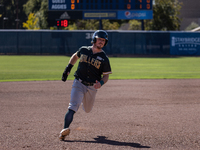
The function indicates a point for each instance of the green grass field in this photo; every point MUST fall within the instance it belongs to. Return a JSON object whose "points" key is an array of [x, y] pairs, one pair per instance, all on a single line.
{"points": [[34, 68]]}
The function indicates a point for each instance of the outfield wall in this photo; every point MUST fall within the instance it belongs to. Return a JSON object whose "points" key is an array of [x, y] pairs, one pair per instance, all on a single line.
{"points": [[64, 42]]}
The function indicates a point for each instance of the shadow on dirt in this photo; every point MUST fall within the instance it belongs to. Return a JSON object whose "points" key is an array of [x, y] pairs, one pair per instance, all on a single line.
{"points": [[104, 140]]}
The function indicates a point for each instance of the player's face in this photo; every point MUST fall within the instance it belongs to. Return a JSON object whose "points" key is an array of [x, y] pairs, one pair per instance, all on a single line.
{"points": [[100, 42]]}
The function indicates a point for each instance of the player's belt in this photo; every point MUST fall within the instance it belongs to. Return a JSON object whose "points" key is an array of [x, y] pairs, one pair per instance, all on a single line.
{"points": [[85, 82]]}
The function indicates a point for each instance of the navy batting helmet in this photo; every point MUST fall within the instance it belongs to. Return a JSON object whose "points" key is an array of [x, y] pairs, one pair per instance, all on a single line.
{"points": [[100, 34]]}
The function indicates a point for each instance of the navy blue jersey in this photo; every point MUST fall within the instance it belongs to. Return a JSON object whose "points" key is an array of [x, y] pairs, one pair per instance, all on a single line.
{"points": [[91, 66]]}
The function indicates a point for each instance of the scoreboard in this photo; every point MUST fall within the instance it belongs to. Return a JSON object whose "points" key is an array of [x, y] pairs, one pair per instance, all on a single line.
{"points": [[73, 5], [62, 23], [99, 9]]}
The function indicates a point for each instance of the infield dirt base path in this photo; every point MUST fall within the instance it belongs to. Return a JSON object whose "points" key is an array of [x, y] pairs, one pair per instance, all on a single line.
{"points": [[127, 114]]}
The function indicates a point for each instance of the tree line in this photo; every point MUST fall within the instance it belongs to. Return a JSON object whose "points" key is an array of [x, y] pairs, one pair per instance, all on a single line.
{"points": [[33, 14]]}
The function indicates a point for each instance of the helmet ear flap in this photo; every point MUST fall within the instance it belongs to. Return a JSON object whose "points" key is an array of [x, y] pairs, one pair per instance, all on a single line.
{"points": [[94, 40], [106, 43]]}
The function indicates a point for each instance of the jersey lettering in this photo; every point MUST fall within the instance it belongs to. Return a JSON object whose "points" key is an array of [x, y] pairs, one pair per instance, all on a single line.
{"points": [[94, 62], [83, 58], [97, 63]]}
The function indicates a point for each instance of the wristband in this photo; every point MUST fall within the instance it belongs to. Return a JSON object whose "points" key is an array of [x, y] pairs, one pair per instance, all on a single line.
{"points": [[101, 82], [68, 68]]}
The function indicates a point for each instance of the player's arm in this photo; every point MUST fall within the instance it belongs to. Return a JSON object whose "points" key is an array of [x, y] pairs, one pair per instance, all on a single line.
{"points": [[72, 61], [104, 79]]}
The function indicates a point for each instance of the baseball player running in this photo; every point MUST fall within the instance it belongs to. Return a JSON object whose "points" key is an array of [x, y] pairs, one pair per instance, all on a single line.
{"points": [[92, 72]]}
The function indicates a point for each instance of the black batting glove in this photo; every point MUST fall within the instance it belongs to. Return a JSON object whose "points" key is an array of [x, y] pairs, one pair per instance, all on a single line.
{"points": [[64, 77], [65, 73]]}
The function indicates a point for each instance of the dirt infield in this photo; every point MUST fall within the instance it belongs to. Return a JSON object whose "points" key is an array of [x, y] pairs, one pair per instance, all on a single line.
{"points": [[128, 114]]}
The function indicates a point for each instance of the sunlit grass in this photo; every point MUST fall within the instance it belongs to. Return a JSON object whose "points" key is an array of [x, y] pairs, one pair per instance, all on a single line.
{"points": [[32, 68]]}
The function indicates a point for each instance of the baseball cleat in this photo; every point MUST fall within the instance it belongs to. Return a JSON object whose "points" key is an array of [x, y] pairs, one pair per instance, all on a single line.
{"points": [[64, 133]]}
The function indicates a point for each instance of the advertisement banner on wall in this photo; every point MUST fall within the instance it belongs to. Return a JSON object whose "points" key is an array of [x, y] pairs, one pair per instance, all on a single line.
{"points": [[135, 14], [99, 14], [185, 44]]}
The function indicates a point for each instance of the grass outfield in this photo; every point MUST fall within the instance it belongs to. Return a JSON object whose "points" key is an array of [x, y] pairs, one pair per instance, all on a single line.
{"points": [[34, 68]]}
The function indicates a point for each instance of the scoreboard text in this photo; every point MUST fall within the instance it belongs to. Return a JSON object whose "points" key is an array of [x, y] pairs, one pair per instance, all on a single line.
{"points": [[78, 5]]}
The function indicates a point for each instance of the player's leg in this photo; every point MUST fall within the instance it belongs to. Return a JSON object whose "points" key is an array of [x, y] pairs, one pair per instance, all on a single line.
{"points": [[68, 118], [89, 98], [77, 94]]}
